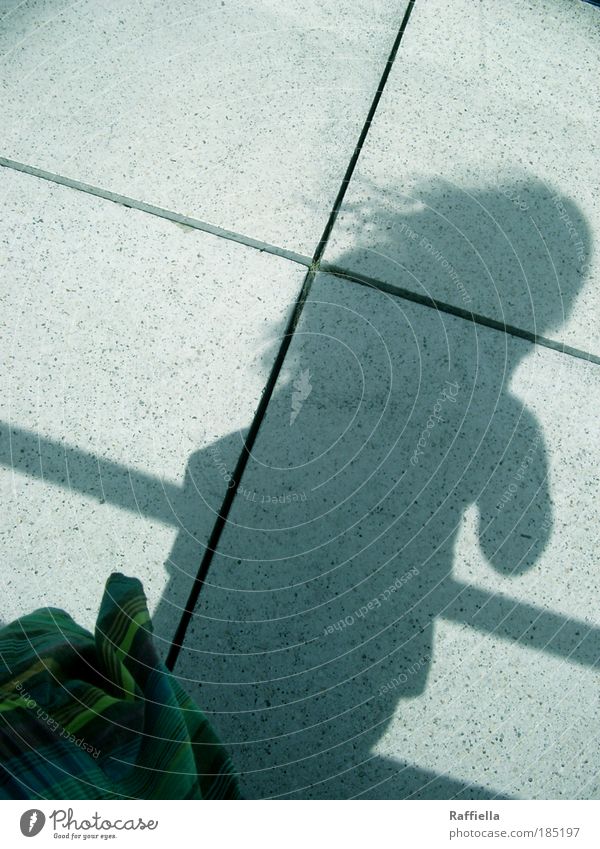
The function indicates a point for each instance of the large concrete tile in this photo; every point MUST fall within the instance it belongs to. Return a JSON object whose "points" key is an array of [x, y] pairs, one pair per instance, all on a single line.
{"points": [[242, 114], [404, 601], [478, 184], [128, 343]]}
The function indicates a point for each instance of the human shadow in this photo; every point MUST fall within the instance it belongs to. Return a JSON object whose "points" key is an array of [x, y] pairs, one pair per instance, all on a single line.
{"points": [[318, 617], [391, 420]]}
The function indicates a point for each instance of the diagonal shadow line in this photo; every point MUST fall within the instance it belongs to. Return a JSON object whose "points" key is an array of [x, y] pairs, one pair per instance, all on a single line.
{"points": [[74, 469], [28, 453], [522, 623]]}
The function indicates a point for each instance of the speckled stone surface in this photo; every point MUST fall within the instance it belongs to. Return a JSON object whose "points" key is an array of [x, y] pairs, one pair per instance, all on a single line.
{"points": [[129, 343], [241, 114], [404, 600], [478, 184]]}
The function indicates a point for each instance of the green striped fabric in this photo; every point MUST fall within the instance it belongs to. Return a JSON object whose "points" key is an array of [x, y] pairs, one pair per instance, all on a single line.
{"points": [[98, 716]]}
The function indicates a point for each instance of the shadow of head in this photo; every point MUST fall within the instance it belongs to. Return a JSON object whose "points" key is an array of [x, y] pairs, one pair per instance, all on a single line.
{"points": [[517, 251]]}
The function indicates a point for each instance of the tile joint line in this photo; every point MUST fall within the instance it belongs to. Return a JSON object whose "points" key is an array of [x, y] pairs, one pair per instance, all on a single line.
{"points": [[159, 212], [459, 312], [259, 416], [315, 265]]}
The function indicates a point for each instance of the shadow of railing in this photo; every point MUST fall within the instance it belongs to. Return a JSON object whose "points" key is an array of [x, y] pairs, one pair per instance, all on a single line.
{"points": [[53, 462]]}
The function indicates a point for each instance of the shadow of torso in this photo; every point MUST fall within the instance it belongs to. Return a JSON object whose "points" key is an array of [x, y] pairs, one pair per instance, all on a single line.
{"points": [[317, 623], [337, 559]]}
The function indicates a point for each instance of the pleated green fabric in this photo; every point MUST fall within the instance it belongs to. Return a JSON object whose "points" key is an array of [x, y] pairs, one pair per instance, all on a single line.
{"points": [[98, 716]]}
